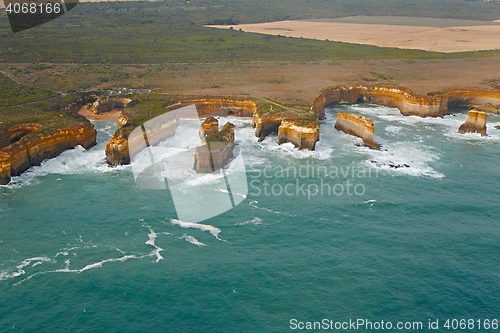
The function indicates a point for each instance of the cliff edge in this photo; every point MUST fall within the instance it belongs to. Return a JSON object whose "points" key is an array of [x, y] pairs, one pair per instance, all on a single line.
{"points": [[409, 103]]}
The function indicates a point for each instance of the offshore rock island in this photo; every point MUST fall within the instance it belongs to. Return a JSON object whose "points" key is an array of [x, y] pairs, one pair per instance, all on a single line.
{"points": [[359, 126], [216, 151], [475, 123]]}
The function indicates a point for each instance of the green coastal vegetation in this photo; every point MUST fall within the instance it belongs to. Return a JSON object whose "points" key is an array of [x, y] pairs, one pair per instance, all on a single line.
{"points": [[96, 41], [12, 93], [173, 31], [51, 113], [147, 106]]}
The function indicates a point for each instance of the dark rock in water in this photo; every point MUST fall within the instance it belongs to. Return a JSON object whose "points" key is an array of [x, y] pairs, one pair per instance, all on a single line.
{"points": [[397, 166]]}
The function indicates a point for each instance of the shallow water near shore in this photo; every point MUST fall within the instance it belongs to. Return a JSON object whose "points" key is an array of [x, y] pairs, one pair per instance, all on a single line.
{"points": [[82, 248]]}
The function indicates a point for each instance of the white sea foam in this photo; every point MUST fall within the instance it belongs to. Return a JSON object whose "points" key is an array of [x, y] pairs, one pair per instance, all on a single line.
{"points": [[70, 162], [66, 269], [192, 240], [151, 241], [22, 267], [405, 158], [35, 261], [242, 195], [254, 221], [287, 150], [206, 179], [100, 263], [204, 227], [393, 129], [371, 202], [254, 203]]}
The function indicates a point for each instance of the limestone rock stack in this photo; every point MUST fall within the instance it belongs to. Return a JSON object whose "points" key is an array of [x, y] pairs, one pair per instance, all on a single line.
{"points": [[359, 126], [216, 152], [208, 127], [475, 123]]}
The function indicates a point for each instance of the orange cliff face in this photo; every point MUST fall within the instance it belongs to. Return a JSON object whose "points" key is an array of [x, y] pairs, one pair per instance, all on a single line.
{"points": [[359, 126], [302, 137], [475, 123], [433, 105], [19, 156], [220, 106], [265, 125], [288, 130]]}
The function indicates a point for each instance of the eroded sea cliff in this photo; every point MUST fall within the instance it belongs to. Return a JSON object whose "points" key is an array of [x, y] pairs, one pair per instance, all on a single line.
{"points": [[409, 103], [22, 147], [292, 124]]}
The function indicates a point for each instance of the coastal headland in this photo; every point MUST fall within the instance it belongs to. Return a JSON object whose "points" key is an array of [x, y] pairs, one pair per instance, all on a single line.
{"points": [[21, 148]]}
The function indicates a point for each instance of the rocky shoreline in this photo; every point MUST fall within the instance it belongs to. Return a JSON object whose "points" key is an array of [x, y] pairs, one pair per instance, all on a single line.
{"points": [[21, 147], [20, 151], [409, 103], [300, 125]]}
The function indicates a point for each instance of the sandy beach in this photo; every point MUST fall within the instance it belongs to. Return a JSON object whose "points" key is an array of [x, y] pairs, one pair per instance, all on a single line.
{"points": [[111, 115]]}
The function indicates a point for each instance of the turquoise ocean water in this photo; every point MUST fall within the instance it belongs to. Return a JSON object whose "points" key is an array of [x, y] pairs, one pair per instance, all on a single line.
{"points": [[83, 249]]}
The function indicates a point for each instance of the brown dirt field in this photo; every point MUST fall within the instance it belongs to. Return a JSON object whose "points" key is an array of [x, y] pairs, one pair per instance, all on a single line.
{"points": [[440, 39], [288, 82], [302, 82]]}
